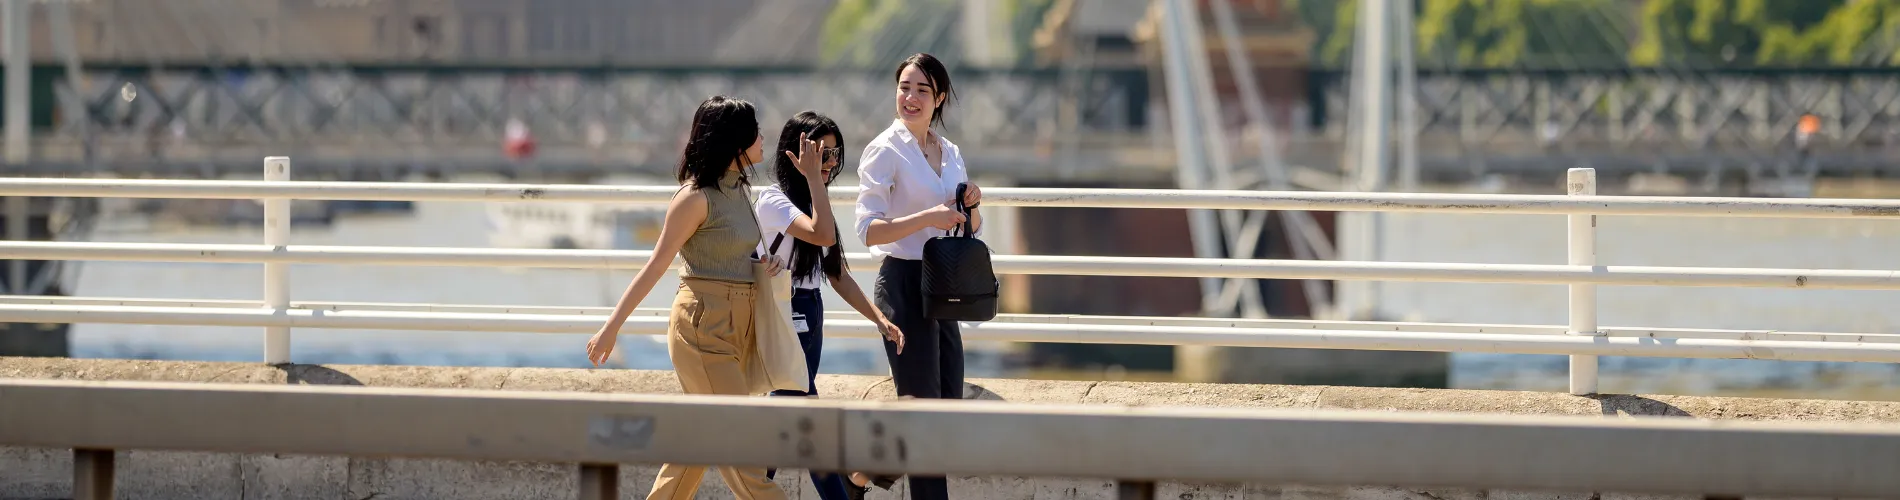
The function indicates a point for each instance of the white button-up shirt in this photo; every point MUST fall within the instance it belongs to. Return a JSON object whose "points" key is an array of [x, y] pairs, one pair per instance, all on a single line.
{"points": [[894, 180]]}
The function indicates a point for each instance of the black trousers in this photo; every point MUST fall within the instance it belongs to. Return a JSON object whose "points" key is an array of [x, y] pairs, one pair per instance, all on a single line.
{"points": [[931, 366]]}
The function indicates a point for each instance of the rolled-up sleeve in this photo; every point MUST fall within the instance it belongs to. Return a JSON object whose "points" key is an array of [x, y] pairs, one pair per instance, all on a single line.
{"points": [[877, 173]]}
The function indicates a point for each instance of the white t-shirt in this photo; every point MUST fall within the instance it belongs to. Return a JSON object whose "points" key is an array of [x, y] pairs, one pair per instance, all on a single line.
{"points": [[776, 213]]}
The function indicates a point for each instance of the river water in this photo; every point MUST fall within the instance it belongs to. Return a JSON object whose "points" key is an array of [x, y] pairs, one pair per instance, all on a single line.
{"points": [[1720, 242], [1657, 241]]}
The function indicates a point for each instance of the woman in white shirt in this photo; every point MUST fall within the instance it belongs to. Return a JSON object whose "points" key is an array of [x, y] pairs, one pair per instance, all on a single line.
{"points": [[907, 180], [802, 237]]}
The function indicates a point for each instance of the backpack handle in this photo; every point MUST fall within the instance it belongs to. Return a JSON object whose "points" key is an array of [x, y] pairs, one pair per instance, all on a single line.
{"points": [[968, 229]]}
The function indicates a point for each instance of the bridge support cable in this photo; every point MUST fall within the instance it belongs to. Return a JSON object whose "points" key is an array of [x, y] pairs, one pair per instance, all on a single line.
{"points": [[1242, 297], [1404, 30], [1191, 158], [17, 16], [1304, 235], [1367, 154], [1198, 128]]}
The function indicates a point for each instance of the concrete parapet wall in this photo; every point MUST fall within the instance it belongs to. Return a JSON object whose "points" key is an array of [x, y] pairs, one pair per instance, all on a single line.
{"points": [[30, 473]]}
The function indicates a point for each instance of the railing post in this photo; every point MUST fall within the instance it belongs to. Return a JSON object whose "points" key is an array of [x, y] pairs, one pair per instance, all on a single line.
{"points": [[1583, 297], [92, 474], [277, 275], [600, 482], [1134, 490]]}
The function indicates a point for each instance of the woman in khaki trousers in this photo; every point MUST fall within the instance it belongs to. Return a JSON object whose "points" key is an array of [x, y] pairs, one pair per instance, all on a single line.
{"points": [[710, 224]]}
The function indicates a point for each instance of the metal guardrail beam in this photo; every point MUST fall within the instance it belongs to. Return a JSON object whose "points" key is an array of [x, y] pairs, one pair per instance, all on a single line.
{"points": [[967, 438], [1001, 196], [397, 422]]}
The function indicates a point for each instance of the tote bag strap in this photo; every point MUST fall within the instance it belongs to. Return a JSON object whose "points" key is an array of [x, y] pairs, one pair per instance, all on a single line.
{"points": [[752, 209], [776, 240]]}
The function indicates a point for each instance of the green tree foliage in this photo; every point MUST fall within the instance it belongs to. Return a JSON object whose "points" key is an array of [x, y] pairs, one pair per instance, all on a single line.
{"points": [[1597, 33], [1706, 32], [1332, 22], [850, 20], [1023, 17], [1855, 33], [1485, 33], [854, 29], [1499, 33]]}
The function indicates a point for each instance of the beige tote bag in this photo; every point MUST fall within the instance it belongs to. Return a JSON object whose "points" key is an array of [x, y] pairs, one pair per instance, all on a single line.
{"points": [[780, 363]]}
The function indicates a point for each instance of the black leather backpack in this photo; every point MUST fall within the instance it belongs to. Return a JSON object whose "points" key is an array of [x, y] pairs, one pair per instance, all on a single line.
{"points": [[958, 281]]}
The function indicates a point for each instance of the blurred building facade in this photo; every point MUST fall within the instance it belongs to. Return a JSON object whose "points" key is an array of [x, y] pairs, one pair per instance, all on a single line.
{"points": [[621, 32]]}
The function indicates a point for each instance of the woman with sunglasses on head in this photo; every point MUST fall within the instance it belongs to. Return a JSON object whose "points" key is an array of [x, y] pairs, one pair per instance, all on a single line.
{"points": [[711, 333], [801, 236], [907, 182]]}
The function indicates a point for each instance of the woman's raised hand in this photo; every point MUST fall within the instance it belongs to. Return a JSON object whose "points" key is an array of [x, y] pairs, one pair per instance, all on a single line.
{"points": [[809, 159]]}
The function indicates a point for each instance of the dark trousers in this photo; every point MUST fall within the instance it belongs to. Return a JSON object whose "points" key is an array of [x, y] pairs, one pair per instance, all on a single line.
{"points": [[931, 366], [809, 305]]}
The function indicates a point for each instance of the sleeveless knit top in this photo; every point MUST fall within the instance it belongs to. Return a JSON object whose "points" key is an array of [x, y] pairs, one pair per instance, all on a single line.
{"points": [[722, 247]]}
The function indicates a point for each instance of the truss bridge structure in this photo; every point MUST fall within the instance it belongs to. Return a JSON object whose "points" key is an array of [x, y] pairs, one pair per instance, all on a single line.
{"points": [[369, 121], [379, 121], [1699, 122]]}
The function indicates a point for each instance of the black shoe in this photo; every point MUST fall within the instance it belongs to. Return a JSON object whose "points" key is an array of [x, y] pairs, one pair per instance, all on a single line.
{"points": [[855, 492]]}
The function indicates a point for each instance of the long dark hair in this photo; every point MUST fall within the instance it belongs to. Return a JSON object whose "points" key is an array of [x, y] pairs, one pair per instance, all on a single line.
{"points": [[939, 81], [805, 259], [723, 129]]}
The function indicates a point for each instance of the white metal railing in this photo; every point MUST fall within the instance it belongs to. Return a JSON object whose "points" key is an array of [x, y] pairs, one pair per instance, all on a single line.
{"points": [[1582, 338], [1017, 197], [1129, 444]]}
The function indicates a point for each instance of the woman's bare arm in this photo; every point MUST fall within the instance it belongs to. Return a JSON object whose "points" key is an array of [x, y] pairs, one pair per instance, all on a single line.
{"points": [[683, 217], [848, 289]]}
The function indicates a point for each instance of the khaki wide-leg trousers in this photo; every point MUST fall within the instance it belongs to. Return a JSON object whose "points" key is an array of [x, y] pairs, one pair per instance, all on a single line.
{"points": [[710, 338]]}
